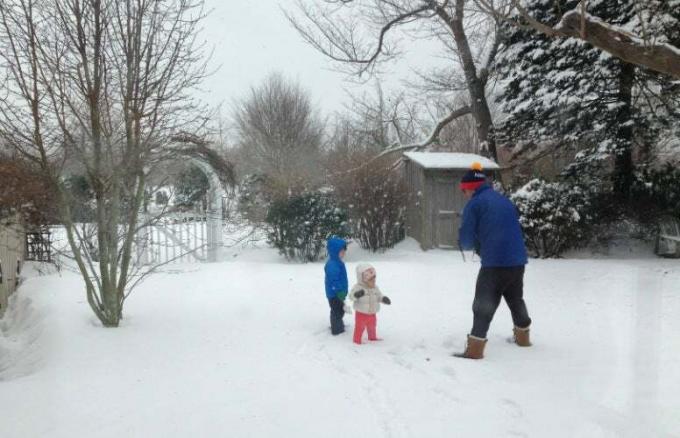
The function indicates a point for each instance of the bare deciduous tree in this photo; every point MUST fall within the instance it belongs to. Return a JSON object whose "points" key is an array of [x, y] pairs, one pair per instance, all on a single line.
{"points": [[279, 133], [339, 30], [103, 84], [380, 121], [373, 196]]}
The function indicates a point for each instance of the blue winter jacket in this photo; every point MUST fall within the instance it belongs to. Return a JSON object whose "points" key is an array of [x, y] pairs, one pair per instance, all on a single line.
{"points": [[491, 226], [336, 274]]}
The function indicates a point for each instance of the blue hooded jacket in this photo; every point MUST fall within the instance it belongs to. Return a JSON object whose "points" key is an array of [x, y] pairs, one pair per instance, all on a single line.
{"points": [[336, 273], [491, 225]]}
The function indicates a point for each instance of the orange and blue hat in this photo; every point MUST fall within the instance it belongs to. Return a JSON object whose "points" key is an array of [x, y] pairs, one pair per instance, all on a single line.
{"points": [[473, 178]]}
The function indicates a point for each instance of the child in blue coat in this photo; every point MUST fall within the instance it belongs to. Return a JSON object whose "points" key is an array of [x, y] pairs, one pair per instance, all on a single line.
{"points": [[336, 282]]}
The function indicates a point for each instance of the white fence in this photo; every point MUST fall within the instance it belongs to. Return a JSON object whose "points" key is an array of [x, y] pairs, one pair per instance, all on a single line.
{"points": [[174, 241], [171, 238], [180, 238]]}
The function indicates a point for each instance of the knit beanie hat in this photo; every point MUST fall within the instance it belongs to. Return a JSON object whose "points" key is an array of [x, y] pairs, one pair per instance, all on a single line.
{"points": [[473, 178]]}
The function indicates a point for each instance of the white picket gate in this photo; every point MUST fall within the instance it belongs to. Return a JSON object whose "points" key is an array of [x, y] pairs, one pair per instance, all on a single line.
{"points": [[180, 238]]}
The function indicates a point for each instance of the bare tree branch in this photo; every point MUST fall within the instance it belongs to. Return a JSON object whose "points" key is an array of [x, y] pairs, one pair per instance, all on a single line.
{"points": [[433, 137], [329, 35], [337, 32]]}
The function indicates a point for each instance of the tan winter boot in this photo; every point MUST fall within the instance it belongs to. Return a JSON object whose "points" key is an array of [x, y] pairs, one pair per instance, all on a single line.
{"points": [[474, 348], [522, 336]]}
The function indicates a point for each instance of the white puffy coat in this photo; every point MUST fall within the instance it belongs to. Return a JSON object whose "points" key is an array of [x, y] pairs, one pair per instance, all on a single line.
{"points": [[369, 303]]}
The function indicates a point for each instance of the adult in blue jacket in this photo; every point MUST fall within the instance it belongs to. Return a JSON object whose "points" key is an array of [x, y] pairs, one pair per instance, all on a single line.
{"points": [[336, 282], [491, 227]]}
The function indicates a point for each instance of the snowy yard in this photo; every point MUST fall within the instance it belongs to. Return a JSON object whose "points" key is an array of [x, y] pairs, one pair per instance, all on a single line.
{"points": [[242, 349]]}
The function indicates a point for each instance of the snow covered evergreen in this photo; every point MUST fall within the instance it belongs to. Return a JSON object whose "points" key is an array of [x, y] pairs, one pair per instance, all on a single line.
{"points": [[565, 92]]}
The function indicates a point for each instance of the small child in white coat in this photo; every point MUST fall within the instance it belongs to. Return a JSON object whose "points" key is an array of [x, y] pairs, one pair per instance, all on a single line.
{"points": [[367, 298]]}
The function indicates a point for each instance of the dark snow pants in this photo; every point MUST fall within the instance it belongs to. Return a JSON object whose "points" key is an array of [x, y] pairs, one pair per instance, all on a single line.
{"points": [[492, 284], [337, 312]]}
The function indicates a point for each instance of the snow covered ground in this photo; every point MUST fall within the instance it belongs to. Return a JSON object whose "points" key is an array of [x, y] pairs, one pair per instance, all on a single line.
{"points": [[242, 349]]}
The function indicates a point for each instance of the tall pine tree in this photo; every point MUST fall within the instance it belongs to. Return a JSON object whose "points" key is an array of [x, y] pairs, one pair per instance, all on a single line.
{"points": [[566, 92]]}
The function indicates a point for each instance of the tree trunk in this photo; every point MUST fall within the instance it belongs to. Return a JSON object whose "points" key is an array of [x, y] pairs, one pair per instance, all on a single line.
{"points": [[475, 84], [623, 160]]}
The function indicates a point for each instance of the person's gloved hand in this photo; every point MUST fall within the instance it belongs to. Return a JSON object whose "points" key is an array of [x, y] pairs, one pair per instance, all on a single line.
{"points": [[359, 293], [341, 295], [386, 300]]}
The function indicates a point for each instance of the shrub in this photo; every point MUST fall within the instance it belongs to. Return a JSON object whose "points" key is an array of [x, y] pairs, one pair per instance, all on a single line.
{"points": [[657, 191], [258, 192], [299, 226], [25, 194], [375, 199], [191, 189], [555, 216]]}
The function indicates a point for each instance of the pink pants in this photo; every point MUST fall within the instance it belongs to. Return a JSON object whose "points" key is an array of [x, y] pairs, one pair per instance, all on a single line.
{"points": [[364, 321]]}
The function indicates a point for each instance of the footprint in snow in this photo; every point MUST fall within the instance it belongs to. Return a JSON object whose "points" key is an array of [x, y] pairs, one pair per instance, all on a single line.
{"points": [[450, 372], [402, 362], [446, 395], [420, 345], [512, 408], [450, 342], [321, 332]]}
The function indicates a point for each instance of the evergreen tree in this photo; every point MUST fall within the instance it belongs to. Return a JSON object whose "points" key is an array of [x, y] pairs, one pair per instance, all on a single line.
{"points": [[81, 199], [191, 189], [567, 92]]}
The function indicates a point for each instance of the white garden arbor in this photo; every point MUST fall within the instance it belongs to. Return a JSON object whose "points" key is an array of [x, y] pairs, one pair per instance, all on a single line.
{"points": [[190, 237], [214, 219]]}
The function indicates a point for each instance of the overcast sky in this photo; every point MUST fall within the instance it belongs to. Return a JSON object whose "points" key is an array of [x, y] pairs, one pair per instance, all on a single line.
{"points": [[253, 38]]}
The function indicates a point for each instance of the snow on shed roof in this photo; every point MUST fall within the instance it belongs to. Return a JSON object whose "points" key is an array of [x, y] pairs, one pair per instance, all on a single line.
{"points": [[449, 160]]}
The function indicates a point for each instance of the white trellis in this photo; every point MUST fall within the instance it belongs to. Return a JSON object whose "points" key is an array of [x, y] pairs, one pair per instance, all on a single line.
{"points": [[214, 220], [186, 237]]}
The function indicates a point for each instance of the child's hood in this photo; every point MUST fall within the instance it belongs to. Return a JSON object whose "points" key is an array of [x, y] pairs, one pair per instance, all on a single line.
{"points": [[361, 268], [334, 246]]}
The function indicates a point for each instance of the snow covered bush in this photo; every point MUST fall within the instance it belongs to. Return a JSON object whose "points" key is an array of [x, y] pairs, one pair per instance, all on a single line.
{"points": [[555, 216], [375, 198], [257, 193], [299, 226], [657, 191], [191, 189]]}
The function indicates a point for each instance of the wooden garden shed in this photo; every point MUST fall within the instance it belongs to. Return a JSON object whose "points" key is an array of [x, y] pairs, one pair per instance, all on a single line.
{"points": [[435, 203], [12, 247]]}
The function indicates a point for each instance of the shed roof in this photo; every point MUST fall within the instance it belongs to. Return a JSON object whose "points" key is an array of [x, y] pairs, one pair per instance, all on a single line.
{"points": [[449, 160]]}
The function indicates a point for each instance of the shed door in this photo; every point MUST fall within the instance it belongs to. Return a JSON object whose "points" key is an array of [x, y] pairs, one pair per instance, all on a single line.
{"points": [[448, 206]]}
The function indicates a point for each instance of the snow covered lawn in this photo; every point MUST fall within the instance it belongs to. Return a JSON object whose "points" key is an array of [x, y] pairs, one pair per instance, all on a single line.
{"points": [[242, 349]]}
